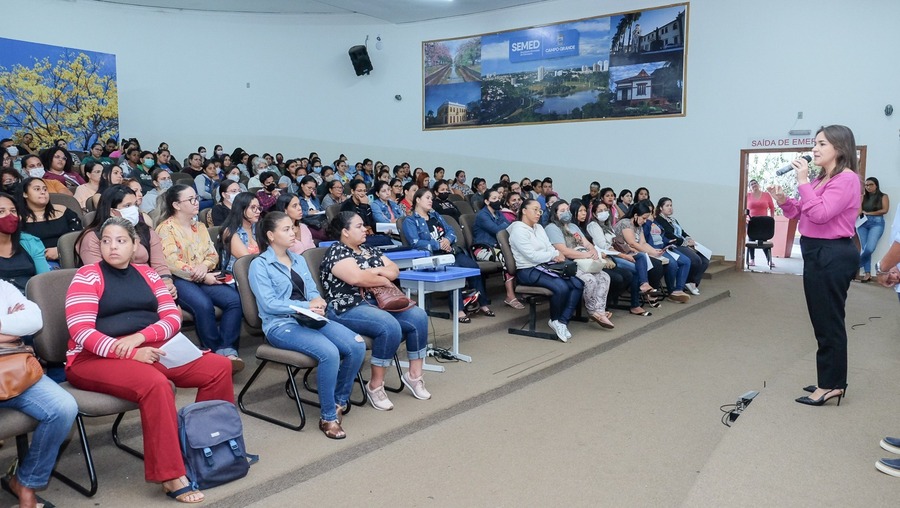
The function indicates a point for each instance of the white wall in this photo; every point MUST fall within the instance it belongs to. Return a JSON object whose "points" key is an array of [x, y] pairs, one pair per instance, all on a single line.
{"points": [[751, 67]]}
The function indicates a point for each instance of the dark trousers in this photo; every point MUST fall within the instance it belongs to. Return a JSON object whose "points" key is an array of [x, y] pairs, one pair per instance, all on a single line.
{"points": [[566, 291], [699, 264], [828, 268]]}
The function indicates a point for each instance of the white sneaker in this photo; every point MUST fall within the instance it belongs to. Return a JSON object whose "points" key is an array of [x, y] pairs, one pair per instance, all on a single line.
{"points": [[561, 331], [416, 386], [692, 288], [379, 398]]}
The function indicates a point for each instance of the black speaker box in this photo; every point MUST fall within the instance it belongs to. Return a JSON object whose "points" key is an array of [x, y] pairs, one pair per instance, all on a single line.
{"points": [[359, 57]]}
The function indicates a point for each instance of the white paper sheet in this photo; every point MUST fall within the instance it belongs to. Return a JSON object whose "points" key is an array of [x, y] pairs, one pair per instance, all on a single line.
{"points": [[675, 255], [861, 220], [707, 253], [612, 252], [308, 313], [179, 351]]}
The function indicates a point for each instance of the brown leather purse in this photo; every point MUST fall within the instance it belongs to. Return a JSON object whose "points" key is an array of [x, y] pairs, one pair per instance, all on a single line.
{"points": [[19, 369], [389, 298]]}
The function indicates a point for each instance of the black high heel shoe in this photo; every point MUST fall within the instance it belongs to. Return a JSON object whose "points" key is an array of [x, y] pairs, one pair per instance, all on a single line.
{"points": [[823, 399], [813, 388]]}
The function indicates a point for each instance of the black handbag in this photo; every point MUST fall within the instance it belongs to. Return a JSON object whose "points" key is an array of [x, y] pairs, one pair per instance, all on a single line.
{"points": [[565, 268]]}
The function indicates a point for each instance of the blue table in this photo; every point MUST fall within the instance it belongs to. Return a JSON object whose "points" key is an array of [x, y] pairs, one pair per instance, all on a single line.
{"points": [[404, 258], [450, 279]]}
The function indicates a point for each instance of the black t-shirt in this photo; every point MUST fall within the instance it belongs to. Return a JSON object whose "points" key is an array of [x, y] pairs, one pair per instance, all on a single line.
{"points": [[17, 269], [342, 296], [446, 207]]}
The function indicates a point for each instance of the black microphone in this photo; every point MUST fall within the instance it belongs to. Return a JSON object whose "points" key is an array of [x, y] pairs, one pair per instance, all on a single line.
{"points": [[789, 168]]}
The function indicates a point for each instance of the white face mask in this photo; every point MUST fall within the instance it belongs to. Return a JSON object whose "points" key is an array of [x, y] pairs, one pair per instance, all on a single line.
{"points": [[12, 150], [131, 214], [231, 195], [37, 172], [234, 178], [602, 216]]}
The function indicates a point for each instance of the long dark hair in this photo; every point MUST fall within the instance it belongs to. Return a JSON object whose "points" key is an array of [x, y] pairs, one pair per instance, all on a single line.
{"points": [[25, 211], [105, 177], [640, 208], [873, 199], [554, 218], [339, 223], [172, 197], [266, 224], [605, 225], [47, 158], [109, 200], [233, 221], [841, 137]]}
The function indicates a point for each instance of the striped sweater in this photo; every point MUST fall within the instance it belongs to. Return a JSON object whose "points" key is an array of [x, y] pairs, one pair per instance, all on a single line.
{"points": [[83, 301]]}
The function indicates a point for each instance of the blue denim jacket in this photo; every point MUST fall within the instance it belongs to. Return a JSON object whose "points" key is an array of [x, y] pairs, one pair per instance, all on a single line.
{"points": [[417, 233], [245, 238], [487, 226], [380, 210], [271, 284], [305, 206]]}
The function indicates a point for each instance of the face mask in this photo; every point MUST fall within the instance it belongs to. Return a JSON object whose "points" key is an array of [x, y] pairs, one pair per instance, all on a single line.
{"points": [[10, 188], [148, 163], [317, 169], [13, 151], [165, 184], [203, 154], [234, 178], [218, 153], [270, 187], [299, 178], [131, 214], [515, 206], [37, 172], [443, 196], [329, 178], [496, 205], [602, 216], [9, 224], [231, 195], [527, 188], [462, 179], [565, 217]]}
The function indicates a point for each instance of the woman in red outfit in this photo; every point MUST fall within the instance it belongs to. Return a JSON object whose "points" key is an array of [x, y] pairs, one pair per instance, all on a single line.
{"points": [[119, 315], [759, 204]]}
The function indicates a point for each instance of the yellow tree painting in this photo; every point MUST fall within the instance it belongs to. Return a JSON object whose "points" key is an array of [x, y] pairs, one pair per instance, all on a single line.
{"points": [[57, 93]]}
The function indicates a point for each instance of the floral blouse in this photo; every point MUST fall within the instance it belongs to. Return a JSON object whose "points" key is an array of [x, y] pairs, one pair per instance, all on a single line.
{"points": [[342, 296], [183, 251]]}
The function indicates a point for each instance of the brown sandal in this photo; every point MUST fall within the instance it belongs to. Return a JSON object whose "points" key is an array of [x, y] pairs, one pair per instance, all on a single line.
{"points": [[332, 430]]}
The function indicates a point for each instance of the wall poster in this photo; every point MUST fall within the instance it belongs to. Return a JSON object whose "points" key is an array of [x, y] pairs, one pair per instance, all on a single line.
{"points": [[55, 92], [630, 64]]}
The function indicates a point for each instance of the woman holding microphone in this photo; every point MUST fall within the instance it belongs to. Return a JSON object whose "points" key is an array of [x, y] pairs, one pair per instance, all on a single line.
{"points": [[827, 209]]}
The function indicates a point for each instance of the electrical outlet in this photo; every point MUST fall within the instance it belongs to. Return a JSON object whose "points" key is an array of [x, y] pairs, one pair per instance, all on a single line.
{"points": [[799, 115]]}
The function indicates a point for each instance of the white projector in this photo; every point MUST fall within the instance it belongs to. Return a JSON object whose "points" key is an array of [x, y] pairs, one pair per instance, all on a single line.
{"points": [[433, 262]]}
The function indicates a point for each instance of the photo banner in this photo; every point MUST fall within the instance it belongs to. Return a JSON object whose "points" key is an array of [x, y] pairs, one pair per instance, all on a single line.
{"points": [[625, 65], [54, 92]]}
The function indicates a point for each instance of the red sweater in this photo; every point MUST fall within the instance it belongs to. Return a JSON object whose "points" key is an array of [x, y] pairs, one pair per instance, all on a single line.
{"points": [[83, 300]]}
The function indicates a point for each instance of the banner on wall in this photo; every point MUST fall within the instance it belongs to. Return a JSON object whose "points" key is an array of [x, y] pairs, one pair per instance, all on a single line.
{"points": [[53, 92], [623, 65]]}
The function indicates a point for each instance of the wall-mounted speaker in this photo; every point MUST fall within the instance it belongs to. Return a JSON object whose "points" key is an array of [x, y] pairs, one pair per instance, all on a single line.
{"points": [[359, 57]]}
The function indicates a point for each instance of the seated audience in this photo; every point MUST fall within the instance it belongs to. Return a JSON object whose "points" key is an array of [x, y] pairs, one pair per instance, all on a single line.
{"points": [[359, 204], [192, 259], [45, 401], [280, 279], [142, 173], [384, 208], [206, 184], [479, 186], [442, 202], [238, 234], [21, 255], [602, 235], [676, 236], [162, 181], [409, 190], [121, 201], [396, 190], [488, 222], [569, 240], [459, 187], [511, 206], [226, 194], [34, 168], [608, 196], [642, 194], [335, 194], [593, 193], [350, 266], [422, 179], [620, 279], [630, 237], [269, 192], [10, 182], [624, 202], [134, 185], [119, 314], [85, 191], [303, 239], [532, 249], [45, 220], [58, 163], [426, 230], [679, 266]]}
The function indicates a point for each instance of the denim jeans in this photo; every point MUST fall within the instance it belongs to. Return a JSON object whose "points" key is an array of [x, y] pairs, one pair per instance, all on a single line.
{"points": [[699, 263], [677, 271], [387, 329], [339, 353], [869, 234], [566, 292], [55, 410], [201, 300]]}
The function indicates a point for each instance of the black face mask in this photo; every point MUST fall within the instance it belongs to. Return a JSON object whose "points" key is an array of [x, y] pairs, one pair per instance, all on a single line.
{"points": [[527, 188], [443, 196], [11, 188], [496, 205], [270, 187]]}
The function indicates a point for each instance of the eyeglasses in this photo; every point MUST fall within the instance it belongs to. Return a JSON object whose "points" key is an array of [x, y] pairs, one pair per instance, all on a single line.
{"points": [[253, 208], [192, 200], [536, 210], [59, 156]]}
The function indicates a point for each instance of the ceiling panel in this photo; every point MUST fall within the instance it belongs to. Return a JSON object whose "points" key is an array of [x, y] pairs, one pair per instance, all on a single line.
{"points": [[392, 11]]}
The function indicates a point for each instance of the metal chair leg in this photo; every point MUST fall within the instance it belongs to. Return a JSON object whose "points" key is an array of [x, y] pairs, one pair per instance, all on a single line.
{"points": [[532, 324], [88, 462], [267, 418], [118, 443]]}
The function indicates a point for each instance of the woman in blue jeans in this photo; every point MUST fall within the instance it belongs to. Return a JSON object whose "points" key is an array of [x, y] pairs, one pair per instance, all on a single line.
{"points": [[679, 266], [875, 205], [281, 281], [350, 265], [45, 401], [531, 249]]}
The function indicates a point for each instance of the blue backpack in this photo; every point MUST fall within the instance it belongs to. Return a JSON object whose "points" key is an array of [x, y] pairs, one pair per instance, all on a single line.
{"points": [[212, 443]]}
